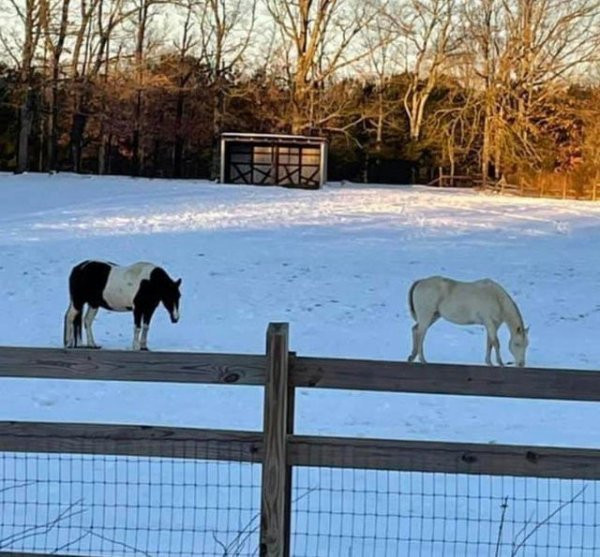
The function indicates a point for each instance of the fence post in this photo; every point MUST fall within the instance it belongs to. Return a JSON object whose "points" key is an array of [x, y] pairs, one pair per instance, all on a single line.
{"points": [[276, 488], [291, 408]]}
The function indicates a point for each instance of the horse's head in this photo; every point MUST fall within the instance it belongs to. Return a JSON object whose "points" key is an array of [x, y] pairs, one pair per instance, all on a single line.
{"points": [[518, 345], [170, 298]]}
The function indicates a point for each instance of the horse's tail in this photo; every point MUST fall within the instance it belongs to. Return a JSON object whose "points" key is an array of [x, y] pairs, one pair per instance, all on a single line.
{"points": [[77, 328], [74, 278], [411, 302]]}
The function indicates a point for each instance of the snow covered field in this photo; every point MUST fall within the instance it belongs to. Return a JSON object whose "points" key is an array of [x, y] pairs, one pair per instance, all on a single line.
{"points": [[335, 263]]}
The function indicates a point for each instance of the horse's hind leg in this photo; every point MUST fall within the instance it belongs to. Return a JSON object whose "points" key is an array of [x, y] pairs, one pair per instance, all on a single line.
{"points": [[419, 331], [137, 328], [414, 352], [68, 329], [90, 315], [72, 326]]}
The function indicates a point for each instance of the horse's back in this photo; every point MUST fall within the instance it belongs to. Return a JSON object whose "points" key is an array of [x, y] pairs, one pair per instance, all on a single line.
{"points": [[106, 284], [426, 294], [458, 301], [87, 281], [434, 287], [136, 270], [123, 284], [447, 286]]}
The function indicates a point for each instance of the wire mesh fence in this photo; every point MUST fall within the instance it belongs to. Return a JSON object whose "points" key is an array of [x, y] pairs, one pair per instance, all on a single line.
{"points": [[116, 505], [78, 488], [349, 512]]}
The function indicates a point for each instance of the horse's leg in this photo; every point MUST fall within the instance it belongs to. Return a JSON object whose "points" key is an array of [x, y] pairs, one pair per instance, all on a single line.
{"points": [[146, 318], [420, 334], [488, 349], [90, 315], [497, 349], [413, 354], [137, 324], [71, 332], [68, 328], [492, 342]]}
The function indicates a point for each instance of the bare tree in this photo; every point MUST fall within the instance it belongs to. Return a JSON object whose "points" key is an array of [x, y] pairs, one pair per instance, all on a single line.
{"points": [[318, 39], [183, 47], [522, 52], [142, 20], [382, 41], [226, 29], [456, 125], [430, 44], [23, 53], [91, 53], [54, 20]]}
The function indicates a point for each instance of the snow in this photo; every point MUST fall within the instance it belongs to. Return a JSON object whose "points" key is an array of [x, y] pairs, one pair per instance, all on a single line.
{"points": [[335, 263]]}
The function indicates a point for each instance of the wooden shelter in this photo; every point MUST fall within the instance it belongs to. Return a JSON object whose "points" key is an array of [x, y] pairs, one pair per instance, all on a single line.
{"points": [[271, 159]]}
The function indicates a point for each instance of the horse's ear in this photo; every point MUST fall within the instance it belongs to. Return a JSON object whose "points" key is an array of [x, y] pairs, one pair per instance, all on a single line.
{"points": [[178, 282]]}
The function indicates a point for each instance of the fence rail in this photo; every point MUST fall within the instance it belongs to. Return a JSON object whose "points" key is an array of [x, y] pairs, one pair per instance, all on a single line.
{"points": [[131, 440], [307, 372], [303, 450], [121, 365], [277, 448], [549, 186], [446, 379]]}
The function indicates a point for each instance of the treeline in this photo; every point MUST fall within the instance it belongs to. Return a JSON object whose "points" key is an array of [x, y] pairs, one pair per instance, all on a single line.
{"points": [[145, 87]]}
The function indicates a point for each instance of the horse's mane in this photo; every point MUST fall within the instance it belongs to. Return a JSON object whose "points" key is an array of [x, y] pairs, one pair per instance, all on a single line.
{"points": [[513, 305], [160, 275]]}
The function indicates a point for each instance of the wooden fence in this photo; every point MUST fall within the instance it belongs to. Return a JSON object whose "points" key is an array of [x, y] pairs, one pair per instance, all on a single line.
{"points": [[277, 447], [558, 186]]}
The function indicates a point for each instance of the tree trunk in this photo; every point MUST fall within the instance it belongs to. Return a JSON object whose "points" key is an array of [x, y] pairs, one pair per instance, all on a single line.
{"points": [[218, 116], [52, 135], [103, 153], [299, 101], [298, 117], [178, 143], [109, 154], [26, 122], [136, 149], [77, 130], [485, 149], [138, 155], [380, 122]]}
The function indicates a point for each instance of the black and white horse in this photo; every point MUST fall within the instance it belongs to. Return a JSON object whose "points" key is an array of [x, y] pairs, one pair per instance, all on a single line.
{"points": [[139, 288]]}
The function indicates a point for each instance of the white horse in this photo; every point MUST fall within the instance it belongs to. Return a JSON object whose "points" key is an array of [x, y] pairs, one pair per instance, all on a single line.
{"points": [[482, 302]]}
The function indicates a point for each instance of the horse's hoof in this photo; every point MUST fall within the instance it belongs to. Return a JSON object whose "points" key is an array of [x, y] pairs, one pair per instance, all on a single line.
{"points": [[144, 348]]}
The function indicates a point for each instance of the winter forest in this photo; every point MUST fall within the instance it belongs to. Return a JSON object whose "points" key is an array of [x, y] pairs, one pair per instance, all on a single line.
{"points": [[145, 87]]}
